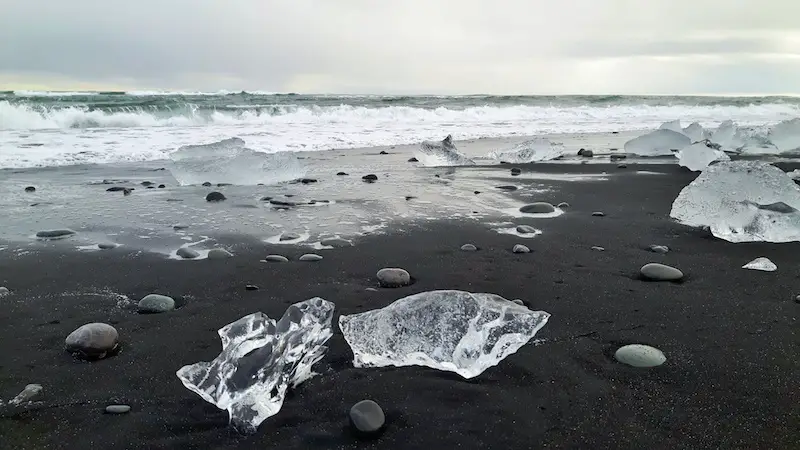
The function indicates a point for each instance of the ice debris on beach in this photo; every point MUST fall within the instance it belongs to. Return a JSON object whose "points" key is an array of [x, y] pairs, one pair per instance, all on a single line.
{"points": [[785, 136], [657, 143], [260, 360], [229, 161], [763, 264], [538, 149], [448, 330], [742, 201], [698, 156], [441, 153]]}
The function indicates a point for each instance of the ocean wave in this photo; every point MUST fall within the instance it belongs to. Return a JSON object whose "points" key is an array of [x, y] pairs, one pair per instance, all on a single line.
{"points": [[23, 116]]}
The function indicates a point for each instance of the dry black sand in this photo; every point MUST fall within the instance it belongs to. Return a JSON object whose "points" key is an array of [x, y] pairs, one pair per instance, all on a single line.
{"points": [[730, 336]]}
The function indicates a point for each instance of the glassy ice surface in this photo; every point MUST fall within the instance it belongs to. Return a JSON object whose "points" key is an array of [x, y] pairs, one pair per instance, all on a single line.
{"points": [[441, 153], [539, 149], [657, 143], [695, 132], [260, 360], [763, 264], [674, 125], [229, 161], [449, 330], [786, 136], [728, 136], [742, 201], [698, 156]]}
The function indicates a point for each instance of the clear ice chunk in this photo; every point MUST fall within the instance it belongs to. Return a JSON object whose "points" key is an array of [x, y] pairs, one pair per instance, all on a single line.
{"points": [[763, 264], [260, 360], [448, 330], [698, 156], [229, 161], [674, 125], [696, 132], [729, 137], [538, 149], [441, 153], [742, 201], [785, 136], [657, 143]]}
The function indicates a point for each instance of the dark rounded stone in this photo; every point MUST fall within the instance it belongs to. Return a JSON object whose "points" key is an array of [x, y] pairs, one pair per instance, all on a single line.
{"points": [[507, 188], [412, 159], [161, 186], [367, 418], [370, 178], [341, 174], [207, 184], [187, 253], [598, 214], [586, 153], [155, 303], [383, 152], [215, 197], [516, 171], [92, 341], [538, 208], [30, 189], [146, 183], [117, 409], [393, 278], [54, 234], [127, 191], [117, 189], [251, 287], [308, 180]]}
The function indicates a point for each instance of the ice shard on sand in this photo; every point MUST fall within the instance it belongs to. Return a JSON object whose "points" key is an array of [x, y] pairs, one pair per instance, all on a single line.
{"points": [[448, 330], [260, 360], [441, 153], [538, 149]]}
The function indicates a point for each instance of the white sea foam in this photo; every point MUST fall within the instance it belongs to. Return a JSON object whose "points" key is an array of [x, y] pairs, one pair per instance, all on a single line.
{"points": [[46, 136]]}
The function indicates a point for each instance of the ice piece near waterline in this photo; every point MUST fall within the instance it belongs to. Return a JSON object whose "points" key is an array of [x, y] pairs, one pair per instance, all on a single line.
{"points": [[698, 156], [728, 137], [786, 136], [763, 264], [657, 143], [449, 330], [674, 125], [441, 153], [260, 359], [538, 149], [695, 132], [229, 161], [742, 201]]}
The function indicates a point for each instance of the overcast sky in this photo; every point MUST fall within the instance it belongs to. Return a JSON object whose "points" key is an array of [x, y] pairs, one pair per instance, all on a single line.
{"points": [[404, 46]]}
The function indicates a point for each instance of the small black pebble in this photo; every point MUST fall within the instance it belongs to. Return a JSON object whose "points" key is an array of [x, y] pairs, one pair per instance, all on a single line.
{"points": [[341, 174], [207, 184], [251, 287], [370, 178], [413, 160], [383, 152], [477, 192], [30, 189], [161, 186]]}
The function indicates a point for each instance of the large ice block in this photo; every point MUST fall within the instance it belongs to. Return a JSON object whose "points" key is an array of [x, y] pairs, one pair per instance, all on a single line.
{"points": [[538, 149], [229, 161], [448, 330], [786, 136], [260, 360], [729, 137], [657, 143], [441, 153], [742, 201], [698, 156], [696, 132]]}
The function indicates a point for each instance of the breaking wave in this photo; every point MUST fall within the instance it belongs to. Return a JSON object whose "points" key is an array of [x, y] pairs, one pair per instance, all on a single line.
{"points": [[552, 119]]}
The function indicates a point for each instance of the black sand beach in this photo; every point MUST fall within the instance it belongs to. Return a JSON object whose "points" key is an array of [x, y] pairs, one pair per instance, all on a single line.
{"points": [[730, 336]]}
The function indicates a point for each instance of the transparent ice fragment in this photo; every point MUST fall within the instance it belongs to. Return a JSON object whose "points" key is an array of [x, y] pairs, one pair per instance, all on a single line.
{"points": [[742, 201], [229, 161], [763, 264], [674, 125], [729, 137], [538, 149], [698, 156], [260, 360], [448, 330], [441, 153], [786, 136], [657, 143], [695, 132], [30, 391]]}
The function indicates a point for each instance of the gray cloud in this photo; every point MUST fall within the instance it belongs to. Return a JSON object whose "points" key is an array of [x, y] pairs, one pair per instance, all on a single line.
{"points": [[447, 46]]}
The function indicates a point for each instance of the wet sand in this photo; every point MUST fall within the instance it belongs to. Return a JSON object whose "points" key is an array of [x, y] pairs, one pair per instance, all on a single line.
{"points": [[729, 334]]}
